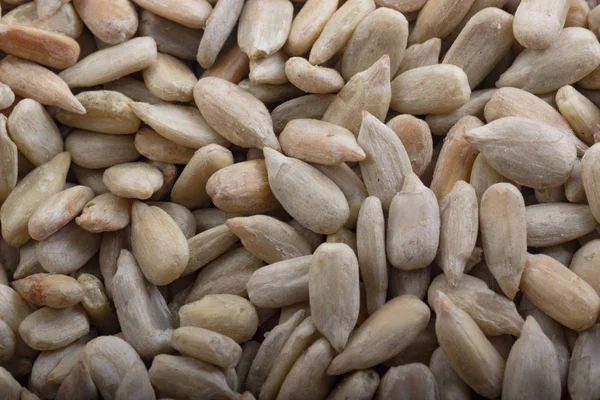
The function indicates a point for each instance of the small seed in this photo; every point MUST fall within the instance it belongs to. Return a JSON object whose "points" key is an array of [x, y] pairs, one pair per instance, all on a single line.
{"points": [[207, 346], [192, 14], [270, 70], [308, 25], [170, 79], [51, 328], [416, 138], [580, 112], [96, 305], [219, 26], [311, 78], [112, 25], [420, 55], [170, 37], [415, 379], [232, 65], [438, 19], [549, 17], [65, 20]]}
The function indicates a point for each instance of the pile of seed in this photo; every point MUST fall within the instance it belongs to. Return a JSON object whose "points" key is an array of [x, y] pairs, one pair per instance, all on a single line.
{"points": [[299, 200]]}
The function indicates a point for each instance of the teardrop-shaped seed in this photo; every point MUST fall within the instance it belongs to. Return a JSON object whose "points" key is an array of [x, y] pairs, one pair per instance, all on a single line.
{"points": [[358, 385], [133, 180], [416, 380], [57, 291], [308, 25], [170, 79], [112, 25], [52, 328], [450, 386], [590, 173], [438, 19], [583, 376], [220, 24], [549, 17]]}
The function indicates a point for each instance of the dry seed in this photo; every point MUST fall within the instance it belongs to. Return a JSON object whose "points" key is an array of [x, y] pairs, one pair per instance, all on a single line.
{"points": [[382, 32], [413, 282], [554, 223], [384, 336], [242, 188], [136, 385], [181, 215], [494, 314], [571, 57], [308, 25], [431, 89], [7, 97], [589, 173], [104, 213], [450, 386], [170, 79], [312, 78], [183, 377], [51, 49], [309, 107], [469, 352], [99, 150], [584, 261], [459, 223], [249, 350], [484, 176], [162, 257], [158, 148], [437, 19], [10, 387], [368, 91], [339, 29], [504, 234], [133, 89], [95, 303], [415, 379], [477, 6], [28, 195], [207, 246], [574, 188], [591, 81], [208, 346], [486, 38], [268, 352], [344, 236], [65, 366], [440, 124], [219, 26], [357, 385], [583, 376], [8, 166], [264, 27], [114, 24], [578, 14], [51, 329], [170, 37], [416, 138], [306, 194], [65, 20], [554, 153], [580, 112], [415, 207], [233, 65], [270, 94], [192, 14], [269, 70], [133, 180], [112, 63], [420, 55], [538, 23], [230, 315], [33, 81], [57, 291], [28, 263], [559, 292], [268, 238]]}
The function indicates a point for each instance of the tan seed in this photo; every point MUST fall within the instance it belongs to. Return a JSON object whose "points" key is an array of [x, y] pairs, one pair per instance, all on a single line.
{"points": [[133, 180], [207, 346], [437, 19], [219, 26], [311, 106], [311, 78], [170, 79], [358, 384], [441, 124], [232, 65], [192, 14], [8, 166], [270, 70], [549, 17], [580, 112], [96, 304], [544, 220], [114, 24], [65, 20], [51, 328], [158, 148], [57, 291], [99, 150], [416, 138], [104, 213], [308, 24], [589, 173], [420, 55], [170, 37]]}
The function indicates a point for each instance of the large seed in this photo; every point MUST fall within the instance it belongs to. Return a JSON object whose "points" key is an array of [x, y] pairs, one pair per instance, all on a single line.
{"points": [[207, 346], [415, 379], [504, 234], [590, 173], [308, 24], [583, 377], [158, 244], [306, 194], [51, 328], [170, 37], [99, 150], [549, 17], [219, 26], [413, 227], [559, 292], [264, 26], [170, 79], [114, 24], [544, 220], [438, 18], [190, 13], [57, 291]]}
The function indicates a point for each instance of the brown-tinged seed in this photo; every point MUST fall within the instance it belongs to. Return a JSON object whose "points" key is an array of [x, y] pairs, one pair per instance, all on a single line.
{"points": [[438, 18], [230, 315], [264, 26], [549, 17], [51, 328], [31, 191], [104, 213], [207, 346], [114, 24], [559, 292], [112, 63], [415, 135], [65, 20], [96, 305], [550, 224], [170, 79], [312, 78], [133, 180], [308, 25], [56, 291], [420, 55], [220, 24]]}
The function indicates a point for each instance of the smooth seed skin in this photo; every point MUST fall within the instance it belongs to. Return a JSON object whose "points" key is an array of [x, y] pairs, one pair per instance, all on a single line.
{"points": [[550, 17], [583, 381]]}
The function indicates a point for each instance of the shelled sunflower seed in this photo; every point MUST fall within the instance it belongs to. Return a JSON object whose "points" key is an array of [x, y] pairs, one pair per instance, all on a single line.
{"points": [[299, 199]]}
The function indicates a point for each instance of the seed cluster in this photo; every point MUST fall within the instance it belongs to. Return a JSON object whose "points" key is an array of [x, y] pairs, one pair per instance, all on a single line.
{"points": [[299, 199]]}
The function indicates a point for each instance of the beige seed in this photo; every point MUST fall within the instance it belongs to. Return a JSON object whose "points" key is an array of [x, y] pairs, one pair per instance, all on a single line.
{"points": [[591, 81], [8, 166], [482, 43], [28, 262], [207, 346], [227, 314], [57, 291], [51, 328], [33, 81], [572, 56], [308, 378], [207, 246], [133, 180], [242, 188], [584, 261], [580, 112], [550, 224], [583, 382], [104, 213], [477, 6], [134, 89], [413, 282], [440, 124], [7, 97], [413, 226], [311, 106], [368, 90], [270, 70], [493, 313], [334, 268], [383, 31], [170, 79], [415, 135], [184, 377], [162, 257], [549, 17], [589, 173], [308, 25], [107, 112], [158, 148], [532, 365], [136, 385], [65, 20], [420, 55], [8, 342], [388, 331], [484, 176], [450, 386], [432, 89], [99, 150], [359, 385], [311, 78], [268, 238], [387, 163], [414, 379], [270, 94], [34, 132], [28, 195], [112, 63], [504, 233], [114, 24], [96, 304], [574, 188], [45, 8], [268, 352], [51, 49], [219, 26], [437, 19], [554, 153], [264, 27], [192, 14], [182, 216], [227, 274], [338, 30], [232, 65], [559, 292], [344, 236], [170, 37], [470, 353], [180, 124], [306, 194], [10, 387], [459, 223], [234, 113]]}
